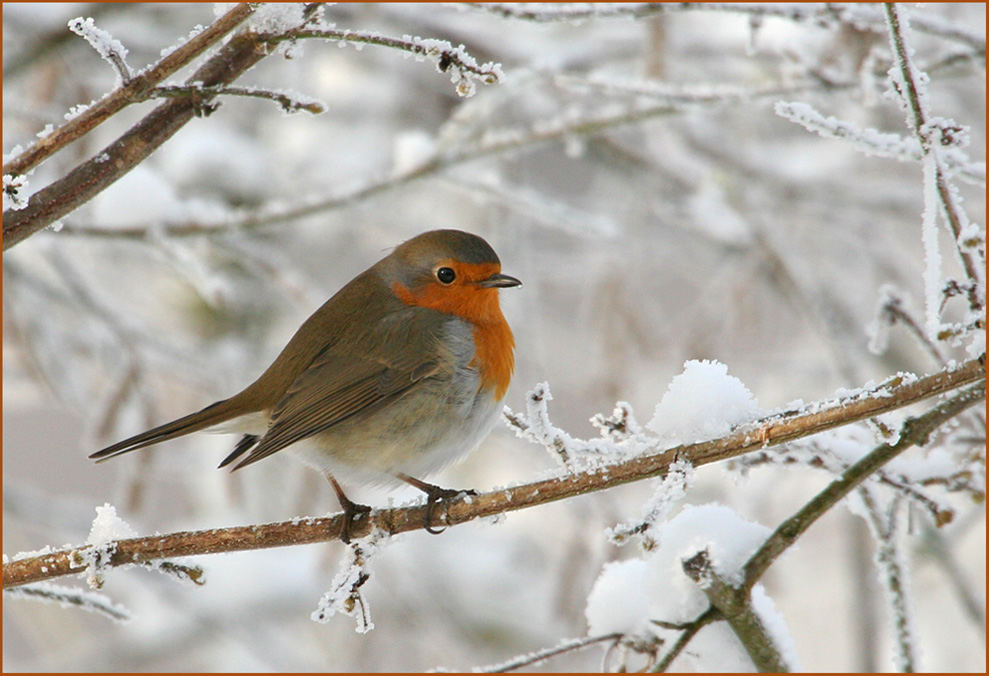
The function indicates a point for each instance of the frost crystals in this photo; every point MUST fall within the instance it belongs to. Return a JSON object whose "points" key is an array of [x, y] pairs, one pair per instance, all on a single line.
{"points": [[345, 597]]}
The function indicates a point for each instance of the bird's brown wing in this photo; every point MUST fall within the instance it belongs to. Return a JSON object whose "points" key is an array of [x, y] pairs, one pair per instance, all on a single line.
{"points": [[339, 385]]}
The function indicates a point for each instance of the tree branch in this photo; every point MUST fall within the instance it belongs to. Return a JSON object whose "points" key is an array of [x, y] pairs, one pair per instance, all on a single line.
{"points": [[915, 432], [775, 431], [735, 606]]}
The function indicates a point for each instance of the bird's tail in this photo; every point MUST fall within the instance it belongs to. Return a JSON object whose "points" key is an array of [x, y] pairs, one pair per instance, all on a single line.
{"points": [[213, 414]]}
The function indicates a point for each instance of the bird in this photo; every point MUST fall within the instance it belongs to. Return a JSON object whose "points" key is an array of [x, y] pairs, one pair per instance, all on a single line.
{"points": [[398, 374]]}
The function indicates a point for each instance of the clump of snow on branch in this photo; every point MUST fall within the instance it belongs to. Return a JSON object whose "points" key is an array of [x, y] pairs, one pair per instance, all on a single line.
{"points": [[636, 596], [345, 596], [702, 403], [277, 17], [106, 529], [109, 48]]}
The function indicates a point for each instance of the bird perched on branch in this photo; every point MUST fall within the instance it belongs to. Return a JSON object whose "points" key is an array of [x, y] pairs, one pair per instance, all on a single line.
{"points": [[397, 375]]}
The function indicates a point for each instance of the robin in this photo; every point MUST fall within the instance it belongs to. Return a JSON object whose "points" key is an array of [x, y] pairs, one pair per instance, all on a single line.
{"points": [[397, 375]]}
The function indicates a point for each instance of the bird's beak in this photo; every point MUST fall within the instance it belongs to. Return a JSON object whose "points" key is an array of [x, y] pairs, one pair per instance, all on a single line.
{"points": [[499, 280]]}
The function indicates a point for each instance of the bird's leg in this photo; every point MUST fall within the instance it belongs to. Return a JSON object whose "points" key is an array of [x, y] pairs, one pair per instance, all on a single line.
{"points": [[434, 495], [351, 510]]}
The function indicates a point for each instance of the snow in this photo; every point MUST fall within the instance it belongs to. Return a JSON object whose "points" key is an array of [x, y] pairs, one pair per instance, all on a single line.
{"points": [[628, 594], [108, 527], [702, 403], [109, 48]]}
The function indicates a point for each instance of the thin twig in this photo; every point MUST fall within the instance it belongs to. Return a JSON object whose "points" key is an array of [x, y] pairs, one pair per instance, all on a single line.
{"points": [[929, 135], [707, 617], [543, 655], [404, 519], [444, 53], [288, 102], [892, 578]]}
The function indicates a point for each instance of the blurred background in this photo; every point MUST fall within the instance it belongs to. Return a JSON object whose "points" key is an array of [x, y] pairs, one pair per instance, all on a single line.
{"points": [[657, 210]]}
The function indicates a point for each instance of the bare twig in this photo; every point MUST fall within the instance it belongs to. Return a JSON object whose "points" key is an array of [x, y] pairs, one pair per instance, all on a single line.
{"points": [[690, 631], [289, 103], [403, 519]]}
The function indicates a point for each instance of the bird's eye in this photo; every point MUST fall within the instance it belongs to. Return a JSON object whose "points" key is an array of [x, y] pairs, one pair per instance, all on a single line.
{"points": [[446, 275]]}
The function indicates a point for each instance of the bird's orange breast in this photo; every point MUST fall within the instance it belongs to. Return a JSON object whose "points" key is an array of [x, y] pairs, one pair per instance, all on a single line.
{"points": [[494, 345]]}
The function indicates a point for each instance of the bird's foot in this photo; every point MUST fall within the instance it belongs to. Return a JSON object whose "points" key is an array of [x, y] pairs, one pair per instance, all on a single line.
{"points": [[352, 511], [435, 495]]}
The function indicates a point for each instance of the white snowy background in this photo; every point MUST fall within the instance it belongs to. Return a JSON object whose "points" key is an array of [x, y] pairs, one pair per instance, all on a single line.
{"points": [[697, 207]]}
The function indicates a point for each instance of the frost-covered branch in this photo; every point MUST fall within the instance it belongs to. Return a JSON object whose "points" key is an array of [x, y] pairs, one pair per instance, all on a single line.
{"points": [[86, 118], [736, 608], [892, 576], [897, 393], [880, 144], [69, 597], [105, 45], [239, 54], [829, 13], [289, 101], [933, 134], [916, 431], [96, 174], [463, 68], [540, 656]]}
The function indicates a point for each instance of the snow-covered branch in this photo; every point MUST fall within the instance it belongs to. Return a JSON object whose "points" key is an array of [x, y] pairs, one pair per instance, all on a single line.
{"points": [[86, 118], [778, 429], [464, 70], [934, 134]]}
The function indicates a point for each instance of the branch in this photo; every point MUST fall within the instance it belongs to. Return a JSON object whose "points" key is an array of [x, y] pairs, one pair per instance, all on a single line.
{"points": [[707, 617], [915, 432], [931, 135], [857, 16], [572, 645], [290, 103], [735, 606], [896, 393], [455, 60]]}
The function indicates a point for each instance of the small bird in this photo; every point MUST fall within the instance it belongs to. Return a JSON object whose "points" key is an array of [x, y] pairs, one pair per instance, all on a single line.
{"points": [[398, 374]]}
